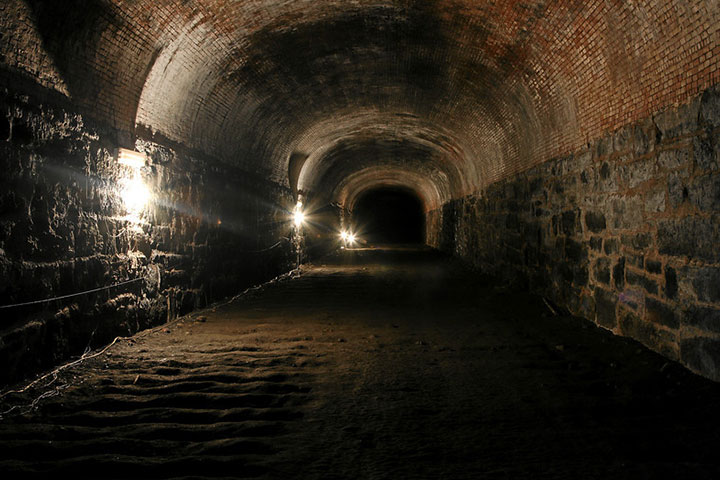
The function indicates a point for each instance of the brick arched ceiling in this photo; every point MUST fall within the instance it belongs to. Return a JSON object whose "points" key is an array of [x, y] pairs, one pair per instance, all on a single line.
{"points": [[352, 186], [459, 92], [406, 157]]}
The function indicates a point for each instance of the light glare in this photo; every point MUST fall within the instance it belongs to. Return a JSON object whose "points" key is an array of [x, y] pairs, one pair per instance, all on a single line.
{"points": [[135, 195], [298, 218], [348, 238]]}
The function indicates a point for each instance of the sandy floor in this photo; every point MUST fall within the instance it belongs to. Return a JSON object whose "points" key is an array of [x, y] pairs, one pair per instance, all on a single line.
{"points": [[377, 365]]}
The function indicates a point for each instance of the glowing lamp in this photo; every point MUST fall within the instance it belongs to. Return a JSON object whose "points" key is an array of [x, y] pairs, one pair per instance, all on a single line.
{"points": [[131, 158], [298, 215], [298, 218], [135, 195], [348, 238]]}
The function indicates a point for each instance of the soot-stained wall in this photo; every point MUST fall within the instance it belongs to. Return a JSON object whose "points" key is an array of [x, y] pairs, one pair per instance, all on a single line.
{"points": [[64, 230], [625, 232]]}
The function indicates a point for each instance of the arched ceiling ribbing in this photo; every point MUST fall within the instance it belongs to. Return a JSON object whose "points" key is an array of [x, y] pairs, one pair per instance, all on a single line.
{"points": [[459, 93]]}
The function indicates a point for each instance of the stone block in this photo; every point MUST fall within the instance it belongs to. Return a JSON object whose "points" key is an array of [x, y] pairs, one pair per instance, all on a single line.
{"points": [[570, 222], [637, 173], [706, 283], [509, 191], [645, 136], [612, 246], [638, 241], [631, 299], [585, 177], [673, 159], [575, 251], [602, 270], [649, 334], [655, 201], [661, 313], [702, 355], [626, 212], [605, 179], [581, 160], [634, 278], [587, 305], [677, 190], [580, 275], [536, 186], [622, 139], [704, 318], [563, 166], [540, 212], [595, 221], [694, 237], [637, 261], [673, 123], [710, 107], [619, 273], [563, 272], [706, 151], [605, 308], [671, 282], [704, 192], [596, 243], [603, 146], [653, 266]]}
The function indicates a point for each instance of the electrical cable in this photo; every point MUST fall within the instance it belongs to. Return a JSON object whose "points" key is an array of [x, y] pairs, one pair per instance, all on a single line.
{"points": [[35, 302], [269, 248]]}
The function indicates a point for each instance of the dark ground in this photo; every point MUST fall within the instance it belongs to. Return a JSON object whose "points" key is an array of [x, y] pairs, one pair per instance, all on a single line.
{"points": [[373, 364]]}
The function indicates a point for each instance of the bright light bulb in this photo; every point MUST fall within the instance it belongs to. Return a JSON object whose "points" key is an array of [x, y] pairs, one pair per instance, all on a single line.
{"points": [[351, 238], [344, 235], [298, 218], [134, 194]]}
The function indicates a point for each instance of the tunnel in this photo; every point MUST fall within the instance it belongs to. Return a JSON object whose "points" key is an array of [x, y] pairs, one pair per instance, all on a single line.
{"points": [[368, 239], [389, 216]]}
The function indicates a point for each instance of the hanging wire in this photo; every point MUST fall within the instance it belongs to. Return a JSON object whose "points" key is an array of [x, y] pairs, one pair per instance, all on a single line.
{"points": [[61, 297], [279, 242], [119, 284]]}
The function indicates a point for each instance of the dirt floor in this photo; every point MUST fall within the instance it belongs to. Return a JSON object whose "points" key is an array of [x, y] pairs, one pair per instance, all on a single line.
{"points": [[374, 364]]}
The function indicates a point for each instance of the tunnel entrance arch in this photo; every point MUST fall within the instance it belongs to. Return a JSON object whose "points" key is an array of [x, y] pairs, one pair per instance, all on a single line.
{"points": [[389, 215]]}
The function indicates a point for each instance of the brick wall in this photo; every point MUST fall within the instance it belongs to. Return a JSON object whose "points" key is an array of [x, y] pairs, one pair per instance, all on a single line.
{"points": [[624, 232]]}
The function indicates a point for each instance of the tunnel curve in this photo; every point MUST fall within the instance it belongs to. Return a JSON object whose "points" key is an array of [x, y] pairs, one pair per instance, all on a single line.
{"points": [[359, 142], [355, 185]]}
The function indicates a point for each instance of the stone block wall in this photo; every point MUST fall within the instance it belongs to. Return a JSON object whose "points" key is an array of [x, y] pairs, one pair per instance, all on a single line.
{"points": [[624, 232], [63, 229]]}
